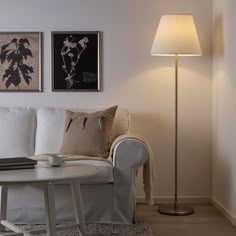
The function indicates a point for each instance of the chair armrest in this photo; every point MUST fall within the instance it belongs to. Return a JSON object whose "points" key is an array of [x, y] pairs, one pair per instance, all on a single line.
{"points": [[129, 152]]}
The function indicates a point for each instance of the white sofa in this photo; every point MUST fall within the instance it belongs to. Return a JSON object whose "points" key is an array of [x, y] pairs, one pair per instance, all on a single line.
{"points": [[108, 198]]}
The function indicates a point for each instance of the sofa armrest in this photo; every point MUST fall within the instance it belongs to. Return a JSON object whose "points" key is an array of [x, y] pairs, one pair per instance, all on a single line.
{"points": [[129, 152]]}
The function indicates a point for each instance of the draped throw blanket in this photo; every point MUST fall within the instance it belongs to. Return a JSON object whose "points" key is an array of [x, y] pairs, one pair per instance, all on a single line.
{"points": [[148, 168]]}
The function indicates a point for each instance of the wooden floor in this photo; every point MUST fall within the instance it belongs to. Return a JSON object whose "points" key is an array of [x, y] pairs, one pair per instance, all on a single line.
{"points": [[206, 221]]}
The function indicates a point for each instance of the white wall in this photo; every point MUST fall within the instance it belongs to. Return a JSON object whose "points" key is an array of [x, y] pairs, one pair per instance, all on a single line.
{"points": [[224, 104], [132, 78]]}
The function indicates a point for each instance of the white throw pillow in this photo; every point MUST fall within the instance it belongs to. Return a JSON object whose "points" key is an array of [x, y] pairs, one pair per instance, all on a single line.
{"points": [[50, 129], [17, 132]]}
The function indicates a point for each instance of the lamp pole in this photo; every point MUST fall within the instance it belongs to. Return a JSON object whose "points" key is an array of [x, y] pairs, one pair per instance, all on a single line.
{"points": [[176, 208], [176, 130]]}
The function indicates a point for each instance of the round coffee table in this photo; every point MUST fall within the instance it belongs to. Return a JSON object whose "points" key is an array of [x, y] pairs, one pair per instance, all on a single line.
{"points": [[47, 177]]}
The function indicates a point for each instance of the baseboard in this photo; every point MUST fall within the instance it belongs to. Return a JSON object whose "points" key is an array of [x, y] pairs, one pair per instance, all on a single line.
{"points": [[187, 200], [224, 211]]}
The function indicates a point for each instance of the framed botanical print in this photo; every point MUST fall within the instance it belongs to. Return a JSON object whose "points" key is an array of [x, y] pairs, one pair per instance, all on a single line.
{"points": [[75, 61], [20, 61]]}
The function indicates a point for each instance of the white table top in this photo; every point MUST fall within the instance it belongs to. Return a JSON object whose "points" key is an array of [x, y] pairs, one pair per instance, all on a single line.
{"points": [[46, 173]]}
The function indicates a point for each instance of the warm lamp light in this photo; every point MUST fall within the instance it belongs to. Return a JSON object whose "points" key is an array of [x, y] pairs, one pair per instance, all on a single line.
{"points": [[176, 36]]}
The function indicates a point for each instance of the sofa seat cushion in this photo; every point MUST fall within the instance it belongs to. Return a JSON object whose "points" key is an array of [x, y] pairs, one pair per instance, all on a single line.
{"points": [[17, 134], [103, 176]]}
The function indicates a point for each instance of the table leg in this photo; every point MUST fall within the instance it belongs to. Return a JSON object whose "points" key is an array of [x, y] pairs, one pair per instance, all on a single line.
{"points": [[3, 206], [78, 206], [50, 209]]}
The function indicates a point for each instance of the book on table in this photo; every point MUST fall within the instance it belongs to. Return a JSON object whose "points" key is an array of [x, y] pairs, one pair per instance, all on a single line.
{"points": [[17, 163]]}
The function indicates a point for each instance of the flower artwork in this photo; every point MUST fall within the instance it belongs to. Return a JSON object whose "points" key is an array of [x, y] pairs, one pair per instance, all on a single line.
{"points": [[19, 62], [76, 61], [73, 51]]}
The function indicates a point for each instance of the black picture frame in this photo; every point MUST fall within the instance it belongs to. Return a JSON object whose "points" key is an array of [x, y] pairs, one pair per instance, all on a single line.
{"points": [[75, 61]]}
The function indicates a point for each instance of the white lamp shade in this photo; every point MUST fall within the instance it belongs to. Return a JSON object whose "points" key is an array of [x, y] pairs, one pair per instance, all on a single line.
{"points": [[176, 35]]}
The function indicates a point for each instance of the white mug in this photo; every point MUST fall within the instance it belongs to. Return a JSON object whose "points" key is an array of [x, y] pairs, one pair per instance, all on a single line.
{"points": [[55, 160]]}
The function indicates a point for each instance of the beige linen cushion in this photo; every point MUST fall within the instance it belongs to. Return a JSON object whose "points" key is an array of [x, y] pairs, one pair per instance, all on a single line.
{"points": [[88, 134]]}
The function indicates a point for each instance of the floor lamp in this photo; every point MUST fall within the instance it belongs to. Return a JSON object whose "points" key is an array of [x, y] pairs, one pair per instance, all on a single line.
{"points": [[176, 36]]}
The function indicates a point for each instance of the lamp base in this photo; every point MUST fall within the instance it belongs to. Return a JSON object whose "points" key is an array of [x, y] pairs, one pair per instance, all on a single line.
{"points": [[173, 210]]}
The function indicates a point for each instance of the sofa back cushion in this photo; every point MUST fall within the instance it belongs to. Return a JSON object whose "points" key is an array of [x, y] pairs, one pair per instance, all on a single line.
{"points": [[17, 132], [49, 132], [51, 122], [121, 123]]}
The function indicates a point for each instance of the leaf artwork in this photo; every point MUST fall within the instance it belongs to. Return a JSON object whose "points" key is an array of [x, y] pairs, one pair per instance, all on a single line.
{"points": [[16, 53], [71, 53]]}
